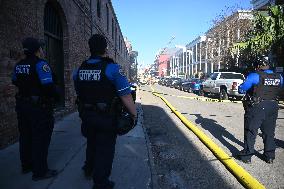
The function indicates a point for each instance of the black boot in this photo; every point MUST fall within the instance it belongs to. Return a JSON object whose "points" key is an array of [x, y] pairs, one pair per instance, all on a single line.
{"points": [[244, 157], [109, 185], [49, 173], [88, 172]]}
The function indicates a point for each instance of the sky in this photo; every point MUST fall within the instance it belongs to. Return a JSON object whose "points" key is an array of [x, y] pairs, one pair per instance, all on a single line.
{"points": [[150, 24]]}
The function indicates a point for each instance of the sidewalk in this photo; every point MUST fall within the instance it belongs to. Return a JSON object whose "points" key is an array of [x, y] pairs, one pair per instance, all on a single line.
{"points": [[131, 169]]}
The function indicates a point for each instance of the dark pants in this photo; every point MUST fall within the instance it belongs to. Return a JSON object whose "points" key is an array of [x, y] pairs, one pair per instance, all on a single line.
{"points": [[35, 126], [263, 116], [101, 140]]}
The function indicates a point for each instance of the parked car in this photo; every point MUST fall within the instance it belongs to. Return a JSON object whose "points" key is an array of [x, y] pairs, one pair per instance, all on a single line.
{"points": [[168, 82], [164, 81], [160, 82], [178, 83], [192, 86], [174, 82], [185, 85], [171, 81], [223, 84]]}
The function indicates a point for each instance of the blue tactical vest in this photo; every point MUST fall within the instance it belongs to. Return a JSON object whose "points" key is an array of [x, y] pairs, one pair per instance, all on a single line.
{"points": [[268, 87], [93, 84], [27, 80]]}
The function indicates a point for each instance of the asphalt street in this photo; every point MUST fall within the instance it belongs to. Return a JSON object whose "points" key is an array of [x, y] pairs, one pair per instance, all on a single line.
{"points": [[182, 161]]}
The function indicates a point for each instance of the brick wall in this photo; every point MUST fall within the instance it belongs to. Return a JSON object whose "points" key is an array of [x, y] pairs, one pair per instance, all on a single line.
{"points": [[14, 26], [22, 18]]}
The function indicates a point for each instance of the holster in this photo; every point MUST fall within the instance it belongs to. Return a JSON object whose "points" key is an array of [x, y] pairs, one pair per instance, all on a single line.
{"points": [[250, 101], [47, 102], [43, 102], [113, 108]]}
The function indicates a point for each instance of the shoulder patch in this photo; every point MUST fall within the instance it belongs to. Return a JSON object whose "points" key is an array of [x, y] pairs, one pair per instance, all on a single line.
{"points": [[121, 71], [46, 68]]}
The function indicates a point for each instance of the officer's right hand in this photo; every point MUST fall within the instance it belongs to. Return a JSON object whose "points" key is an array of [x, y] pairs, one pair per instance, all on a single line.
{"points": [[129, 104], [240, 91]]}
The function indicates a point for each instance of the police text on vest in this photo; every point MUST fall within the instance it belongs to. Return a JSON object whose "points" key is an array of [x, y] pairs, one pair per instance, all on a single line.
{"points": [[23, 69], [272, 82], [90, 75]]}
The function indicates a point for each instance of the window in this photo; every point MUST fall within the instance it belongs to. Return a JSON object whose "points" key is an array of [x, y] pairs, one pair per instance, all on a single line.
{"points": [[107, 18], [231, 76], [119, 43], [115, 37], [52, 24], [99, 8], [214, 76], [112, 27]]}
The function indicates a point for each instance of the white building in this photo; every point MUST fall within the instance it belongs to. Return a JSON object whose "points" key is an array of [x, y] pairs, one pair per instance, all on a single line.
{"points": [[179, 62], [198, 57]]}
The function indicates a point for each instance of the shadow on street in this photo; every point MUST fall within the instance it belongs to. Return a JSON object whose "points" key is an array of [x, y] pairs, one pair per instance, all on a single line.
{"points": [[218, 132], [177, 158]]}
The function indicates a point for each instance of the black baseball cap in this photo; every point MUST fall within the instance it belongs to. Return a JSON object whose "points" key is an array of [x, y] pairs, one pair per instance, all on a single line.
{"points": [[97, 44], [31, 45]]}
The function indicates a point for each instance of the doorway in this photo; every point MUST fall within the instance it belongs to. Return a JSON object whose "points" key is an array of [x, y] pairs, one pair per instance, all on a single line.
{"points": [[53, 36]]}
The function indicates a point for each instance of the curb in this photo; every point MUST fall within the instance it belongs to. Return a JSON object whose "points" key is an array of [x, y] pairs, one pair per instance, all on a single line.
{"points": [[154, 178]]}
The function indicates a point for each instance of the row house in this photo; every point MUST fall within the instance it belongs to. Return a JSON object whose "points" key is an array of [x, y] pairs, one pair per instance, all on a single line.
{"points": [[163, 65], [163, 62]]}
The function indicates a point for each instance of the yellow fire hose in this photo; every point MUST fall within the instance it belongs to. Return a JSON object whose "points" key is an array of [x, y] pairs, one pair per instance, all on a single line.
{"points": [[240, 174]]}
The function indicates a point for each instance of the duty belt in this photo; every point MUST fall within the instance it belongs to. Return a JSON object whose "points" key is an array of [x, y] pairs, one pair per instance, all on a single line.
{"points": [[37, 100], [32, 99], [97, 107]]}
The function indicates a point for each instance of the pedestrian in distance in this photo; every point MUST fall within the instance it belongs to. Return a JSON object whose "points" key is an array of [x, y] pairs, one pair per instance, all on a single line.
{"points": [[100, 84], [261, 109], [35, 98]]}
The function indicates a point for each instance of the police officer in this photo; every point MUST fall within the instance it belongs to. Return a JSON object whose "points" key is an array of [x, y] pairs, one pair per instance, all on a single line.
{"points": [[36, 93], [261, 110], [99, 83]]}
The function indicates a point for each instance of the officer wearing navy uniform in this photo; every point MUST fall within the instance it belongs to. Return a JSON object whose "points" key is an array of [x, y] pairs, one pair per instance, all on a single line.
{"points": [[99, 82], [261, 110], [36, 93]]}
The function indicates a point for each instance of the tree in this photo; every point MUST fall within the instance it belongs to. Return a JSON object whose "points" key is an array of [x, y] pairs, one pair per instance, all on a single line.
{"points": [[266, 38]]}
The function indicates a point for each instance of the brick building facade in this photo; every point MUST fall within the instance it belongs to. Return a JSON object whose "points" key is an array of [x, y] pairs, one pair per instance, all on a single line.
{"points": [[66, 26]]}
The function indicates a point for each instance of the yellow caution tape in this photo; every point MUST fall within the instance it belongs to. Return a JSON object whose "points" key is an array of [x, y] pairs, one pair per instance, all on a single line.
{"points": [[240, 174], [204, 99]]}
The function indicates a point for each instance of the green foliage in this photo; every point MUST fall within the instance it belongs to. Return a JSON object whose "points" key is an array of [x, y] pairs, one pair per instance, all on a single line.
{"points": [[268, 30]]}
